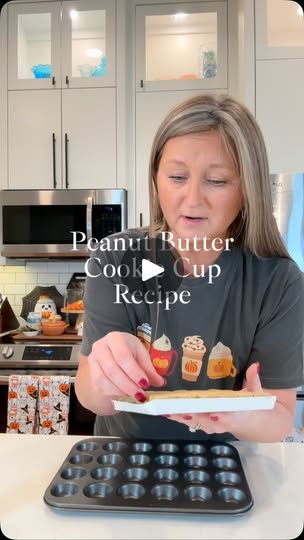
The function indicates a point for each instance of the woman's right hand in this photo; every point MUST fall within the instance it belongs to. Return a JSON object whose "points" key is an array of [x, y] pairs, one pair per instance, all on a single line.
{"points": [[119, 364]]}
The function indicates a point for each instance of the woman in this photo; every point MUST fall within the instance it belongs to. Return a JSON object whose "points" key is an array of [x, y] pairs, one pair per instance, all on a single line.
{"points": [[210, 191]]}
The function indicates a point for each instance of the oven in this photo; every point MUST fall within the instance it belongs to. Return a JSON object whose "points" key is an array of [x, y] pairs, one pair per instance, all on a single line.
{"points": [[32, 358]]}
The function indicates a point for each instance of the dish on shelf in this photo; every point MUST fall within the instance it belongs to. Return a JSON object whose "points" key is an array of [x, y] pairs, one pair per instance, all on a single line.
{"points": [[31, 333], [54, 329], [42, 71], [73, 307], [85, 70]]}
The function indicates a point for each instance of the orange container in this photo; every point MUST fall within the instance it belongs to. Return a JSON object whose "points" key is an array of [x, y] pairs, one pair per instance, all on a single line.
{"points": [[55, 328]]}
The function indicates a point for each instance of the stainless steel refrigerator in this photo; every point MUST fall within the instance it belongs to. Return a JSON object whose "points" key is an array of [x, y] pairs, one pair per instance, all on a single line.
{"points": [[288, 209]]}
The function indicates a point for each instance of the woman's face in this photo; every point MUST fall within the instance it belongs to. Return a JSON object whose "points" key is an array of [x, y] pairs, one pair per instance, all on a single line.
{"points": [[199, 190]]}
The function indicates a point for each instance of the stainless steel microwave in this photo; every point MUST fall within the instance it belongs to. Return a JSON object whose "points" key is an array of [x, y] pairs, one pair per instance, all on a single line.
{"points": [[51, 223]]}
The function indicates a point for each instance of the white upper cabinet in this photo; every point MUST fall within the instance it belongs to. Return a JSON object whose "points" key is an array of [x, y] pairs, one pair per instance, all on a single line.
{"points": [[88, 43], [62, 139], [89, 138], [280, 112], [279, 29], [34, 139], [34, 46], [61, 44], [181, 46]]}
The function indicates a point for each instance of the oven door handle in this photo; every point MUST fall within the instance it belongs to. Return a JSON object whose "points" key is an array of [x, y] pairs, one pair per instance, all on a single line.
{"points": [[4, 378]]}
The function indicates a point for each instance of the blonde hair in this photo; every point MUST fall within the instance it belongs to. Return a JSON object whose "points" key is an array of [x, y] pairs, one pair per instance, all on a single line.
{"points": [[255, 227]]}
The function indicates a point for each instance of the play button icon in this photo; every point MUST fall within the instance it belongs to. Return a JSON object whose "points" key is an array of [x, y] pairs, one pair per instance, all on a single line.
{"points": [[150, 269], [141, 270]]}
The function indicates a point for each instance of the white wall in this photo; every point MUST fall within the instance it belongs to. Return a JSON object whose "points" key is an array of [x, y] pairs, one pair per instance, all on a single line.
{"points": [[171, 56], [19, 279]]}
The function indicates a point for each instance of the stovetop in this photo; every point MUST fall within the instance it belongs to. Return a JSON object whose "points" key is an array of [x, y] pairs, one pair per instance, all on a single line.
{"points": [[38, 355]]}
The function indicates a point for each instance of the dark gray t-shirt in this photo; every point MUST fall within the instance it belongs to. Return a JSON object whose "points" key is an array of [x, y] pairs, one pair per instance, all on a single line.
{"points": [[253, 311]]}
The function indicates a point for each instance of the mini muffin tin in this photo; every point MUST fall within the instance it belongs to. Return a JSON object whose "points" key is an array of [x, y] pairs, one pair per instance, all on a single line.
{"points": [[151, 476]]}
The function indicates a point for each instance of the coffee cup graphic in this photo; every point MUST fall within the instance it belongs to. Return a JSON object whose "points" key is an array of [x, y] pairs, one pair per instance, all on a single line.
{"points": [[192, 359], [163, 357], [220, 363]]}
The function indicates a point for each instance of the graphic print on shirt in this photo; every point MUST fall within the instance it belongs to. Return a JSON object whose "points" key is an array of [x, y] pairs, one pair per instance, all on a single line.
{"points": [[192, 360], [220, 362], [165, 358], [144, 332]]}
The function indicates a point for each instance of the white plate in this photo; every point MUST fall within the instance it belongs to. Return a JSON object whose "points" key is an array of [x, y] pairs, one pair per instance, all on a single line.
{"points": [[197, 405]]}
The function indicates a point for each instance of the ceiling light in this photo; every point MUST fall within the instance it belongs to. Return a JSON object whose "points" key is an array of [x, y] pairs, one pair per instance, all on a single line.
{"points": [[300, 11], [180, 15], [74, 14], [94, 53]]}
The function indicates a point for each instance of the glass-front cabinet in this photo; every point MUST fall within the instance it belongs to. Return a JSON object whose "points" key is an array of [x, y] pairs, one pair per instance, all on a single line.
{"points": [[61, 44], [88, 43], [181, 46], [34, 45], [279, 29]]}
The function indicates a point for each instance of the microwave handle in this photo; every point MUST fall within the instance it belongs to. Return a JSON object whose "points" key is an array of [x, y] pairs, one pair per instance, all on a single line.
{"points": [[89, 217]]}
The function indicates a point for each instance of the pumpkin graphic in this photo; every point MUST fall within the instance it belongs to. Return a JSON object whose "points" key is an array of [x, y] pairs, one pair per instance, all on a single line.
{"points": [[64, 389], [12, 394], [14, 425], [191, 367], [32, 391], [44, 393], [46, 423], [160, 362]]}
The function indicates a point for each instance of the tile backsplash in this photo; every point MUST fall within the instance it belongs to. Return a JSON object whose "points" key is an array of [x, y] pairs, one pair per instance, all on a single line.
{"points": [[17, 278]]}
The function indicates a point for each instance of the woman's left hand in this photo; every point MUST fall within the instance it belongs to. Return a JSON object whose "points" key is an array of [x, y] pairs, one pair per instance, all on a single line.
{"points": [[222, 422]]}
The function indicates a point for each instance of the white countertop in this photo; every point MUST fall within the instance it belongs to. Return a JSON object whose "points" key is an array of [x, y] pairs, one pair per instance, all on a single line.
{"points": [[28, 463]]}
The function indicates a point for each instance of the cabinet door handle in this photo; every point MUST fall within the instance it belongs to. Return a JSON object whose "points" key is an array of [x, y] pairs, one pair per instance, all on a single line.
{"points": [[66, 141], [53, 81], [140, 219], [89, 217], [141, 83], [54, 160], [67, 81]]}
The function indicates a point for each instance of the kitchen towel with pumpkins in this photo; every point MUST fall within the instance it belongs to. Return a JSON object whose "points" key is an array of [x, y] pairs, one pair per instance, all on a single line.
{"points": [[38, 404]]}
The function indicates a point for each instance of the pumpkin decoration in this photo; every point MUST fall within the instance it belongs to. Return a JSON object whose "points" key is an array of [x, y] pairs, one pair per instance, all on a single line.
{"points": [[45, 306], [44, 393], [12, 394], [191, 367]]}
